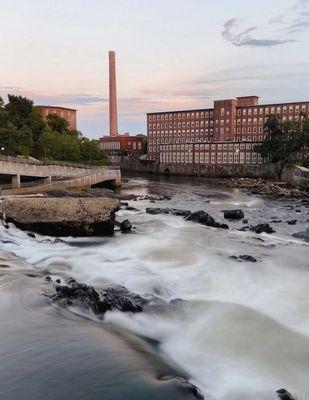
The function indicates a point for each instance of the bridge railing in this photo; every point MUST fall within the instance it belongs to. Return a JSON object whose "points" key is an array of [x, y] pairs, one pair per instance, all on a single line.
{"points": [[60, 163]]}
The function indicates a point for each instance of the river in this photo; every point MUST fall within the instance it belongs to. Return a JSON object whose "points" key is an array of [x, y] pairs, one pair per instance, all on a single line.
{"points": [[237, 330]]}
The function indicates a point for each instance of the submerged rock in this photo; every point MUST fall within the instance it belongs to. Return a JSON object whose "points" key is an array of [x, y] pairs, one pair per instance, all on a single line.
{"points": [[202, 217], [283, 394], [244, 257], [292, 221], [302, 235], [125, 226], [262, 228], [233, 214], [78, 294], [62, 216]]}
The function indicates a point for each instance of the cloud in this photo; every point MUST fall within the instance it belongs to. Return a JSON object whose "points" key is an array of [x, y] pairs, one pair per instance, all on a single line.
{"points": [[245, 37]]}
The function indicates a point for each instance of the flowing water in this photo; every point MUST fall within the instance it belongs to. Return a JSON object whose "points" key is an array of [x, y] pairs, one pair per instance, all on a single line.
{"points": [[238, 330]]}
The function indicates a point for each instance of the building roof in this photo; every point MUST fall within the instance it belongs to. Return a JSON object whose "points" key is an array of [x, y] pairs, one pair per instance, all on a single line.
{"points": [[61, 108]]}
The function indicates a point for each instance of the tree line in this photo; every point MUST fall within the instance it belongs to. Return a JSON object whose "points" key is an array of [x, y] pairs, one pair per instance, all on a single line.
{"points": [[286, 142], [24, 132]]}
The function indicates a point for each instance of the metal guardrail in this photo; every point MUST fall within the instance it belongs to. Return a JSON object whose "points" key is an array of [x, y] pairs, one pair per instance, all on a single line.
{"points": [[60, 163]]}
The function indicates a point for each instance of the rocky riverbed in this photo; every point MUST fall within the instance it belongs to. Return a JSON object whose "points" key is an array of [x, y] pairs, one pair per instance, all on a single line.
{"points": [[226, 307], [277, 189]]}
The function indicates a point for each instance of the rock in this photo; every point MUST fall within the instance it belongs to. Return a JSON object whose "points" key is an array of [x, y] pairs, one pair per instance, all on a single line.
{"points": [[48, 278], [245, 221], [302, 235], [292, 221], [31, 234], [276, 221], [130, 208], [125, 226], [262, 228], [180, 213], [123, 204], [62, 216], [81, 295], [244, 257], [283, 394], [58, 281], [204, 218], [155, 211], [233, 214]]}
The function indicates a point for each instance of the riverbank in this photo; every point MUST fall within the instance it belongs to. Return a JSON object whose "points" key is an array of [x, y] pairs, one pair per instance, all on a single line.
{"points": [[273, 188]]}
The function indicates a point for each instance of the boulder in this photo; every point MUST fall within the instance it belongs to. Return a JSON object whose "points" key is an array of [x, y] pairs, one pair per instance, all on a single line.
{"points": [[233, 214], [78, 294], [62, 216], [292, 221], [125, 226], [244, 257], [262, 228], [202, 217], [302, 235], [283, 394]]}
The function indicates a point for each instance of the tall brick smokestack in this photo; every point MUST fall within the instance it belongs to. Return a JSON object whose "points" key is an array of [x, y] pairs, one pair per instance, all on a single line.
{"points": [[113, 123]]}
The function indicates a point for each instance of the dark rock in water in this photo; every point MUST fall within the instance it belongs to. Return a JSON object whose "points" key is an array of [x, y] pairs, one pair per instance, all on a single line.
{"points": [[302, 235], [31, 234], [276, 221], [262, 228], [180, 213], [244, 257], [58, 281], [245, 221], [123, 204], [156, 211], [130, 208], [48, 278], [283, 394], [201, 217], [204, 218], [81, 295], [233, 214], [292, 221], [125, 226], [151, 201]]}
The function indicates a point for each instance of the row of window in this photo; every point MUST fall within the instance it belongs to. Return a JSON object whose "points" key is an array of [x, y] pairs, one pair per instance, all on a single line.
{"points": [[267, 110], [283, 109], [212, 158], [164, 145]]}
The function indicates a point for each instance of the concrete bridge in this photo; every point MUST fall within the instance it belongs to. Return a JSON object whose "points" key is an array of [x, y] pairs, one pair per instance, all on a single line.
{"points": [[54, 175]]}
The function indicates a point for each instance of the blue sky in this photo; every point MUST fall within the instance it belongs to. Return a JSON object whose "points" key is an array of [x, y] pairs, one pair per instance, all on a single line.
{"points": [[172, 54]]}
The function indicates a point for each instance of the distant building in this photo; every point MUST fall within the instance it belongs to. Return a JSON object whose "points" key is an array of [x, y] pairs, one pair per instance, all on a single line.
{"points": [[67, 113], [120, 146], [224, 134]]}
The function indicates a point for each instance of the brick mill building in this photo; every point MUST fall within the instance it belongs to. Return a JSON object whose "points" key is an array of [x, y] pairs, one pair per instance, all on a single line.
{"points": [[67, 113], [224, 134]]}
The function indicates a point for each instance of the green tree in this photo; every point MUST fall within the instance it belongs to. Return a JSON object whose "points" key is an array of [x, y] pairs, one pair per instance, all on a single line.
{"points": [[90, 150], [56, 123], [284, 140], [20, 110]]}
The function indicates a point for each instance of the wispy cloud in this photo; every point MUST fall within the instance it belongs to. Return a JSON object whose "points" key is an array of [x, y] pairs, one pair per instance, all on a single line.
{"points": [[294, 20], [245, 37]]}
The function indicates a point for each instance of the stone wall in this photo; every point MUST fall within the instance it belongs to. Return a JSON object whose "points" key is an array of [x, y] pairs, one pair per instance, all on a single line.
{"points": [[212, 170]]}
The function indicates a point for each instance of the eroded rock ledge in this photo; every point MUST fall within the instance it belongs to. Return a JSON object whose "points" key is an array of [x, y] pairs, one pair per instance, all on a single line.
{"points": [[62, 216]]}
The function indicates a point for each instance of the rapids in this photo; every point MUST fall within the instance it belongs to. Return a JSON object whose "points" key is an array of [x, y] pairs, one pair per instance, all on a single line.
{"points": [[240, 330]]}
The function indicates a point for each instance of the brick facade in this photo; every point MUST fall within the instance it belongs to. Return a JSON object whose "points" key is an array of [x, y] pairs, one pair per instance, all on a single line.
{"points": [[67, 113], [122, 145], [225, 134]]}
